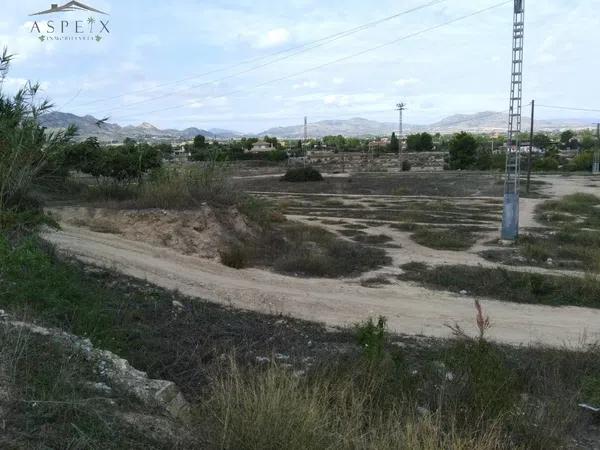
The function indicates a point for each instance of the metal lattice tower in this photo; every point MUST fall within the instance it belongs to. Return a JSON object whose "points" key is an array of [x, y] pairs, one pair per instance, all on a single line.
{"points": [[400, 107], [510, 215]]}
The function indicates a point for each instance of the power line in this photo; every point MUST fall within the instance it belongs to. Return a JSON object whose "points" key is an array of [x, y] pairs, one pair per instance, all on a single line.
{"points": [[568, 108], [344, 58], [302, 48]]}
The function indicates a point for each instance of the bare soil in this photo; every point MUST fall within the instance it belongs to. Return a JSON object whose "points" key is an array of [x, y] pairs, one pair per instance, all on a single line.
{"points": [[410, 309]]}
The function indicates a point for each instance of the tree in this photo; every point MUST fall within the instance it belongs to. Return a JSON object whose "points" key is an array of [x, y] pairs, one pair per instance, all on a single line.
{"points": [[273, 141], [25, 146], [462, 150], [413, 142], [542, 140], [247, 143], [426, 144], [129, 142], [566, 136], [199, 142], [394, 144], [588, 140], [419, 142]]}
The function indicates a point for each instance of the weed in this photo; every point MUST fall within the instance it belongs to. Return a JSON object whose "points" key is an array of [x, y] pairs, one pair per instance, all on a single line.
{"points": [[520, 287], [372, 337], [302, 174], [444, 239], [373, 239], [377, 281], [235, 256]]}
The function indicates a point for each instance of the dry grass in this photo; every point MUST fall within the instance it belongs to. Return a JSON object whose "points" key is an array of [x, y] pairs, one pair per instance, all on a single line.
{"points": [[274, 409], [453, 239]]}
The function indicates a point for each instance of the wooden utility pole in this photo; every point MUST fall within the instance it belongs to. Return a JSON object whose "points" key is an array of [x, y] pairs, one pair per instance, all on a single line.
{"points": [[530, 146]]}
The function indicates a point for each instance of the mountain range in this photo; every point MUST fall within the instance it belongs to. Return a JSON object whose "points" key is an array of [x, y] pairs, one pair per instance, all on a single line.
{"points": [[483, 122]]}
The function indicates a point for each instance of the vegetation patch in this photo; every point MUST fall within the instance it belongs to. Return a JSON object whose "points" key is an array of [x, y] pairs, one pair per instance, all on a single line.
{"points": [[470, 393], [355, 226], [312, 251], [511, 286], [581, 208], [373, 239], [452, 239], [302, 174], [374, 282]]}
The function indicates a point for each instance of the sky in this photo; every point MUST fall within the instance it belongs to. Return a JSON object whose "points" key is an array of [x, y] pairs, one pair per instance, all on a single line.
{"points": [[248, 65]]}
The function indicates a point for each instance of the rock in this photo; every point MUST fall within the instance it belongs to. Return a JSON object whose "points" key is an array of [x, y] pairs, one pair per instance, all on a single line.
{"points": [[119, 374], [177, 304], [449, 376], [422, 411], [549, 261], [159, 429], [463, 292], [281, 357], [262, 359], [101, 388]]}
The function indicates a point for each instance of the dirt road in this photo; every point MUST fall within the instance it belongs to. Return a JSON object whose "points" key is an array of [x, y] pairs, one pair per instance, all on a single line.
{"points": [[410, 309]]}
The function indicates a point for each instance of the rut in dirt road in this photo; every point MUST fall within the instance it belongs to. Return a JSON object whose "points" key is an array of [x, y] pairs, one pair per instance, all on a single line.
{"points": [[337, 302]]}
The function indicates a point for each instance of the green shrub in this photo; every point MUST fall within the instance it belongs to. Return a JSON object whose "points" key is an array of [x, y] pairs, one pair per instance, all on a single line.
{"points": [[406, 166], [302, 174], [590, 390], [372, 338], [235, 256], [520, 287], [483, 382], [454, 239]]}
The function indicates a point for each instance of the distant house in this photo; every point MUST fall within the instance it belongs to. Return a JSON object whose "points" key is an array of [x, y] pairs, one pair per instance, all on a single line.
{"points": [[262, 146], [381, 144], [181, 152], [534, 149]]}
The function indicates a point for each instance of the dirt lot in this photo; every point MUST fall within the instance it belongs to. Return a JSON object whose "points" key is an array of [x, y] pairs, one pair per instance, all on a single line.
{"points": [[445, 184], [374, 206]]}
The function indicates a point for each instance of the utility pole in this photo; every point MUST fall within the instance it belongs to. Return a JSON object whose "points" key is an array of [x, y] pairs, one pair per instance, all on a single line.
{"points": [[305, 140], [596, 161], [400, 107], [530, 145], [510, 212]]}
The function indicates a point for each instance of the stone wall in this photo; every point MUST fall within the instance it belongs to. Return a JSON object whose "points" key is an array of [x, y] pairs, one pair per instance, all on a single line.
{"points": [[387, 162]]}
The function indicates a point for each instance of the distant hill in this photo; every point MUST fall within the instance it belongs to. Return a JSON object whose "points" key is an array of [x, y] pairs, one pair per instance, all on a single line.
{"points": [[482, 122], [88, 126], [350, 127]]}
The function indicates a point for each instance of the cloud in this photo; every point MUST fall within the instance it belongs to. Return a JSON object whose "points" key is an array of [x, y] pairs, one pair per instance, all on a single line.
{"points": [[367, 98], [273, 38], [337, 80], [403, 82], [306, 84], [12, 85]]}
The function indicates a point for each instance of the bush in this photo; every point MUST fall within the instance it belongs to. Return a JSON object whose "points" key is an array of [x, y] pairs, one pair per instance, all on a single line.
{"points": [[302, 174], [454, 239], [483, 381], [235, 256], [372, 337], [298, 249], [406, 166]]}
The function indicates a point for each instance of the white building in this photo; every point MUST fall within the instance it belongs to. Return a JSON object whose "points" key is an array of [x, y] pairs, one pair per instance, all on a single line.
{"points": [[262, 146]]}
